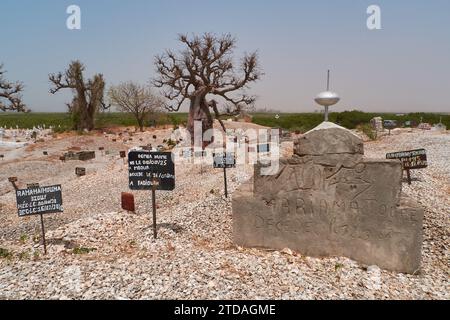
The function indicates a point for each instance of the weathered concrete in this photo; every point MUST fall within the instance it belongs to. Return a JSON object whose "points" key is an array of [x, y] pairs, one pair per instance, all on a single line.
{"points": [[332, 204]]}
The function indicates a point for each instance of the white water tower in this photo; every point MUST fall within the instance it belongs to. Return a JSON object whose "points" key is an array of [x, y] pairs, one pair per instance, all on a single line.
{"points": [[327, 98]]}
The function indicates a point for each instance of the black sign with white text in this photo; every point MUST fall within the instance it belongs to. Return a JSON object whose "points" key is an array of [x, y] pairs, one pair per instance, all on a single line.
{"points": [[144, 167], [40, 200], [414, 159]]}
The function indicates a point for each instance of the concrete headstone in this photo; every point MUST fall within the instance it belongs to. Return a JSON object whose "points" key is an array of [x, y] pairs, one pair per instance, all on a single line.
{"points": [[328, 200]]}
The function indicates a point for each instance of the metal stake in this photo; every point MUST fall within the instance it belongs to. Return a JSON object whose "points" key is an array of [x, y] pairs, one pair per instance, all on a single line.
{"points": [[225, 181], [43, 233], [408, 174], [155, 235]]}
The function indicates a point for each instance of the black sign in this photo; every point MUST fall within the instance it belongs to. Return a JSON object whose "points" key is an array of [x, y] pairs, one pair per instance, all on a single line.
{"points": [[41, 200], [148, 168], [414, 159], [224, 160]]}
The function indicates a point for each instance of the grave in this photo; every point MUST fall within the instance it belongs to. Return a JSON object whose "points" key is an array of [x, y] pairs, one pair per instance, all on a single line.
{"points": [[82, 156], [328, 200]]}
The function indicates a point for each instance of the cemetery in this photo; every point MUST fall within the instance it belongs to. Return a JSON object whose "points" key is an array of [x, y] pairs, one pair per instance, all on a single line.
{"points": [[338, 221], [144, 159]]}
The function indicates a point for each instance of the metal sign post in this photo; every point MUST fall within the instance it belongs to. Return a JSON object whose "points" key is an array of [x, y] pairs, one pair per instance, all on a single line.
{"points": [[154, 185], [411, 160], [151, 171], [225, 181], [43, 233], [50, 201], [224, 160]]}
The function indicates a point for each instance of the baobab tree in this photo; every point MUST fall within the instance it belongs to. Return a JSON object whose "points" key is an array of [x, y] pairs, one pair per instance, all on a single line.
{"points": [[10, 94], [139, 100], [88, 95], [205, 69]]}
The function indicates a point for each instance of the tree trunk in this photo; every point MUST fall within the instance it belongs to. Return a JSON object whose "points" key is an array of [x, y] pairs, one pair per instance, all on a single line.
{"points": [[199, 111], [141, 124]]}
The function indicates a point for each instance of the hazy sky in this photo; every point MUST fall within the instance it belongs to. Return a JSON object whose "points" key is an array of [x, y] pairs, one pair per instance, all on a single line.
{"points": [[403, 67]]}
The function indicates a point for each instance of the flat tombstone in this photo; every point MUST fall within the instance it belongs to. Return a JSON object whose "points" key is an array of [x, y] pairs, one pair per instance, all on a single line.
{"points": [[224, 160], [144, 167], [413, 159], [101, 148], [45, 153], [123, 154], [42, 200]]}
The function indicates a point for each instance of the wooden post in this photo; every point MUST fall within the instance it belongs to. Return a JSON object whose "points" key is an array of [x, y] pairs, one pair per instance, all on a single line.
{"points": [[43, 233]]}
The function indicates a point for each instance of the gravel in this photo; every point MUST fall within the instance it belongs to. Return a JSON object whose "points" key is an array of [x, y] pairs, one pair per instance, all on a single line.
{"points": [[98, 251]]}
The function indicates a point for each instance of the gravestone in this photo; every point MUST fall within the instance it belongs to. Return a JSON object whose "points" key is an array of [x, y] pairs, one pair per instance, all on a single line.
{"points": [[328, 200]]}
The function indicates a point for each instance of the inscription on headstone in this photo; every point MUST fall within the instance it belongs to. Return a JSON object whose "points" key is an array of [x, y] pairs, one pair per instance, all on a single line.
{"points": [[327, 200]]}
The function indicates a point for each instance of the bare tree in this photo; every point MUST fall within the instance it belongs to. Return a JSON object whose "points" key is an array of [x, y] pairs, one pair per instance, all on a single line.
{"points": [[88, 96], [11, 92], [136, 99], [205, 67]]}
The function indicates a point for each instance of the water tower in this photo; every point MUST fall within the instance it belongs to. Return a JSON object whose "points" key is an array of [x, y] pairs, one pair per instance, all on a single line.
{"points": [[327, 98]]}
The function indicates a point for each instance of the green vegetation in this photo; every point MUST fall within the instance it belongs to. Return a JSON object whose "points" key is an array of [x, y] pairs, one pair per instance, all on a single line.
{"points": [[23, 238], [301, 122], [368, 131], [5, 254], [82, 250], [63, 121], [349, 119]]}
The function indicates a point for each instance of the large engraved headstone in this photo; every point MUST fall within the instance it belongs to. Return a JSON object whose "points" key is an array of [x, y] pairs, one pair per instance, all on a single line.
{"points": [[328, 200]]}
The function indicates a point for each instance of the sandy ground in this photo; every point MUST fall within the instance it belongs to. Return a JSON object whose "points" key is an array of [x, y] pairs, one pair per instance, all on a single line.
{"points": [[194, 256]]}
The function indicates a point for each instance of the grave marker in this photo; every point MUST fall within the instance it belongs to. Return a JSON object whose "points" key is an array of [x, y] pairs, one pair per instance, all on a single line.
{"points": [[224, 161], [13, 181], [80, 171], [151, 171], [127, 200], [329, 200], [39, 201], [411, 160]]}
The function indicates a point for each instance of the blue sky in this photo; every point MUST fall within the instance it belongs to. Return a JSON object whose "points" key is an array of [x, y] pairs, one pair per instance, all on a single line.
{"points": [[403, 67]]}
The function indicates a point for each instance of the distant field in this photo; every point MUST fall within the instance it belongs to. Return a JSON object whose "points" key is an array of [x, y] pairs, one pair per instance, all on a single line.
{"points": [[289, 121], [63, 122], [349, 119]]}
